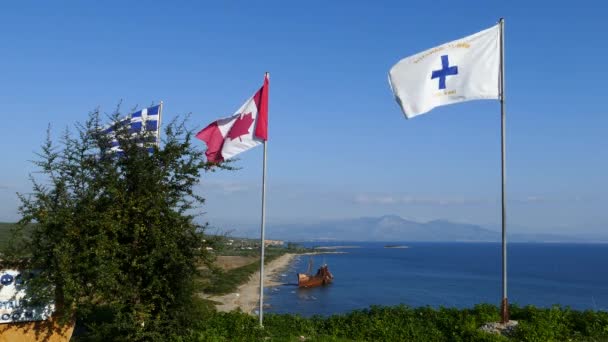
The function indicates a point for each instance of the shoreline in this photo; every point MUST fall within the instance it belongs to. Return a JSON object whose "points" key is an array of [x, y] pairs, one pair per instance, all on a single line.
{"points": [[247, 295]]}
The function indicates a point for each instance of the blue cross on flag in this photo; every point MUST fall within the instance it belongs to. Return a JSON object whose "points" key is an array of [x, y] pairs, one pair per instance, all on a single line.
{"points": [[145, 122], [445, 71], [462, 70]]}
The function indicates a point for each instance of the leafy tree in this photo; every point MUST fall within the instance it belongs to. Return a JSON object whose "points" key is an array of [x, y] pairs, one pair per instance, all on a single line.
{"points": [[115, 244], [292, 246]]}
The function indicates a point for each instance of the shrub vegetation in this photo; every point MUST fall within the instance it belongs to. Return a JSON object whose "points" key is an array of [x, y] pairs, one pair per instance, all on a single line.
{"points": [[402, 323], [115, 244]]}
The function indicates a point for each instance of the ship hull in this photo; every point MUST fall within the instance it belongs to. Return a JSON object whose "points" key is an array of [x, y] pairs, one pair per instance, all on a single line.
{"points": [[308, 281], [323, 277]]}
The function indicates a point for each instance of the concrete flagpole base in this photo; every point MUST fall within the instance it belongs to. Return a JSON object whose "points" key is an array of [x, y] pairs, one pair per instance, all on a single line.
{"points": [[499, 328]]}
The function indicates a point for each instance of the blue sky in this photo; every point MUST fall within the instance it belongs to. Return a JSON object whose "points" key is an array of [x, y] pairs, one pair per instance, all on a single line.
{"points": [[339, 146]]}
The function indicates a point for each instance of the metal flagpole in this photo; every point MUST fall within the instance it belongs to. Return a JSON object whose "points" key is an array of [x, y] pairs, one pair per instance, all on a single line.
{"points": [[262, 240], [160, 118], [504, 306], [262, 235]]}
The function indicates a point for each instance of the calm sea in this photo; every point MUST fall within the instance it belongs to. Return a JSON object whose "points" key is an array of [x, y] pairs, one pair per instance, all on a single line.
{"points": [[448, 274]]}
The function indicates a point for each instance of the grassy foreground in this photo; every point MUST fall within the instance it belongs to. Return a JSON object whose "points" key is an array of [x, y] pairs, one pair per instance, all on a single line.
{"points": [[402, 323]]}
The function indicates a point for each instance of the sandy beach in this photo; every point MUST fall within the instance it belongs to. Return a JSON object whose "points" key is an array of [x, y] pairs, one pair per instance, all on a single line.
{"points": [[247, 296]]}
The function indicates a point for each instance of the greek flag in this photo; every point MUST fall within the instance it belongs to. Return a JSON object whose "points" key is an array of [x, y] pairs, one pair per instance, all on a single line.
{"points": [[145, 122]]}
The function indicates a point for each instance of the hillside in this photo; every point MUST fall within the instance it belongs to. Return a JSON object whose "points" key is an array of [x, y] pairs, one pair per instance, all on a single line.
{"points": [[384, 228], [395, 228], [5, 232]]}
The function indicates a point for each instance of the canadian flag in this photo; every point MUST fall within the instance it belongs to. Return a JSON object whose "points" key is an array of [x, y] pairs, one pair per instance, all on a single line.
{"points": [[247, 128]]}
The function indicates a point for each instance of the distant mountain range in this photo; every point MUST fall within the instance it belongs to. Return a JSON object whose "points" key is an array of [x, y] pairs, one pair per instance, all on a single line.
{"points": [[395, 228], [384, 228]]}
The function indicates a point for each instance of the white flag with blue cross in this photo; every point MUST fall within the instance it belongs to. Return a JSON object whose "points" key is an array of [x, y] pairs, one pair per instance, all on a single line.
{"points": [[143, 124], [462, 70]]}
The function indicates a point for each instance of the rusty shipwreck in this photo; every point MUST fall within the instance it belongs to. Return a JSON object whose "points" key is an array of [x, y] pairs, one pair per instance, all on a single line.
{"points": [[323, 277]]}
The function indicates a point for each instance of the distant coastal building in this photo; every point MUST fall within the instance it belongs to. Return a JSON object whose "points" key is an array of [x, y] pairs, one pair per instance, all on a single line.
{"points": [[273, 243]]}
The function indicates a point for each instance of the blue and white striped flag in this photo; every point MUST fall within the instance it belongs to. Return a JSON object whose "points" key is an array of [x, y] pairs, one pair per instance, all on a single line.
{"points": [[143, 122]]}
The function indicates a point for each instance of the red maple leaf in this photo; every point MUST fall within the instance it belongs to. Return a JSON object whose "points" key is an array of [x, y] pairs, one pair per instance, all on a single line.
{"points": [[241, 126]]}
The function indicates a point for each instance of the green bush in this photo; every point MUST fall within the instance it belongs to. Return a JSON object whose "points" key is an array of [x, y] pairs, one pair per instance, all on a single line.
{"points": [[560, 324], [114, 237], [402, 323]]}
